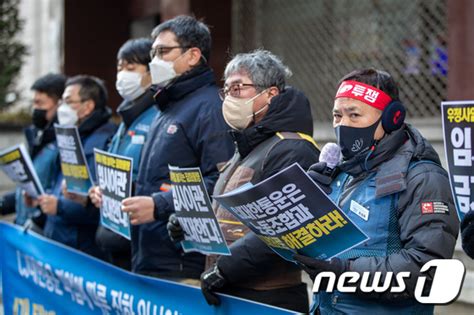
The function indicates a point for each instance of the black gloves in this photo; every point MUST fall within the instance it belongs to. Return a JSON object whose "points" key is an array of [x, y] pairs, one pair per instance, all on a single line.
{"points": [[7, 203], [175, 232], [467, 233], [211, 280], [322, 175], [314, 266]]}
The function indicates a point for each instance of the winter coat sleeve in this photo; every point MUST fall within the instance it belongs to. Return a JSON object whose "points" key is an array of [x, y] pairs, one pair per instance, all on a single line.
{"points": [[424, 236], [250, 258]]}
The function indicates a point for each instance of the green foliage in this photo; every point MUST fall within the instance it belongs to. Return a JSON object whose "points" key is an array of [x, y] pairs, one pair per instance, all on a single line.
{"points": [[12, 50]]}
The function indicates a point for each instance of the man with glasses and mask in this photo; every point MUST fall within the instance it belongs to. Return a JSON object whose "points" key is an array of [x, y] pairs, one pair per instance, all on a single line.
{"points": [[190, 132], [40, 138], [72, 219], [272, 128], [392, 185]]}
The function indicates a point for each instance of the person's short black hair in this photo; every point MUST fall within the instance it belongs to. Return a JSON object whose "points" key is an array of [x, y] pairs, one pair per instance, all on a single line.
{"points": [[380, 79], [136, 51], [92, 88], [52, 84], [189, 33]]}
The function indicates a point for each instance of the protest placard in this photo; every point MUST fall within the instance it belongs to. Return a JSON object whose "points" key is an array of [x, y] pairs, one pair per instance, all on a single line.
{"points": [[114, 177], [291, 214], [194, 211], [73, 161], [458, 120], [17, 165]]}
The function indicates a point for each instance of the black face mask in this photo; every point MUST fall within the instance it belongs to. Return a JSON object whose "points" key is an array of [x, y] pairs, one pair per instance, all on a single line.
{"points": [[39, 118], [354, 141]]}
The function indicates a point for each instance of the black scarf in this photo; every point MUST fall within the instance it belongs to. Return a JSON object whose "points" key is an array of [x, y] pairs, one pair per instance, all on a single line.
{"points": [[184, 84], [96, 119], [130, 110]]}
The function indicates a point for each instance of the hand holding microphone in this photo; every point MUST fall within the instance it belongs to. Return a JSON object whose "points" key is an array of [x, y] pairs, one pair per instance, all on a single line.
{"points": [[324, 171]]}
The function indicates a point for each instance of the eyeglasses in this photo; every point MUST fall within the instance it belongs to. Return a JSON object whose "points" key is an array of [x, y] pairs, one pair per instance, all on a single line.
{"points": [[163, 50], [70, 102], [234, 89]]}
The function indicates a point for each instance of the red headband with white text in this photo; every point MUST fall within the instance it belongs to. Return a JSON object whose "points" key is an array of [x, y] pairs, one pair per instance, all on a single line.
{"points": [[365, 93]]}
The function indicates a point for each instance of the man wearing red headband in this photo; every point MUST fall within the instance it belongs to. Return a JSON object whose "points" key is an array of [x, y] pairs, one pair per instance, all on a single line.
{"points": [[392, 185]]}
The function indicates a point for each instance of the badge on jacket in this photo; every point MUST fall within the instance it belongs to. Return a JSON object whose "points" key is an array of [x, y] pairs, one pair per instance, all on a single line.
{"points": [[430, 207], [360, 210], [138, 139], [172, 129]]}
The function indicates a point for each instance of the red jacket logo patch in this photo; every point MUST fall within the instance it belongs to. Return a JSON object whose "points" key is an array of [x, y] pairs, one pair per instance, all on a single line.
{"points": [[427, 207]]}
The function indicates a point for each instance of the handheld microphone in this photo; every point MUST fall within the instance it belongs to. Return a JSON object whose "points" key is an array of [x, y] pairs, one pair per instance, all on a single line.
{"points": [[331, 155]]}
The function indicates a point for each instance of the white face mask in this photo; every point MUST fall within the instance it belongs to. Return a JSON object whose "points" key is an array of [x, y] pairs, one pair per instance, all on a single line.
{"points": [[162, 72], [238, 112], [128, 85], [67, 115]]}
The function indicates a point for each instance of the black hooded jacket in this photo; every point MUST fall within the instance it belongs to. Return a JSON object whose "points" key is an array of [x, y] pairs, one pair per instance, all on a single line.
{"points": [[254, 271]]}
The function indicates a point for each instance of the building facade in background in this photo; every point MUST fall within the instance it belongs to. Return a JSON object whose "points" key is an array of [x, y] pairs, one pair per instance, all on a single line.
{"points": [[320, 40], [323, 40], [428, 45], [43, 35]]}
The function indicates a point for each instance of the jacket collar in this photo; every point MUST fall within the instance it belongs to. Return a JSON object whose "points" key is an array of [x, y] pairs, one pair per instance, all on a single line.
{"points": [[186, 83], [96, 119], [391, 160], [131, 110], [247, 139], [38, 138]]}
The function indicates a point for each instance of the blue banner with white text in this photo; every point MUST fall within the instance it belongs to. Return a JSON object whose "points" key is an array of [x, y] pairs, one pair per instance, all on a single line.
{"points": [[40, 276]]}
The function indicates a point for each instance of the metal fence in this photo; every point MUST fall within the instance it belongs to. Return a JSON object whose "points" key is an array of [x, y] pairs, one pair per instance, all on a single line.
{"points": [[322, 40]]}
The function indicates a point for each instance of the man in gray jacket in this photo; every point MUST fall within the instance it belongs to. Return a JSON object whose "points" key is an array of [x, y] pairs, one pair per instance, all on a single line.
{"points": [[391, 184]]}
